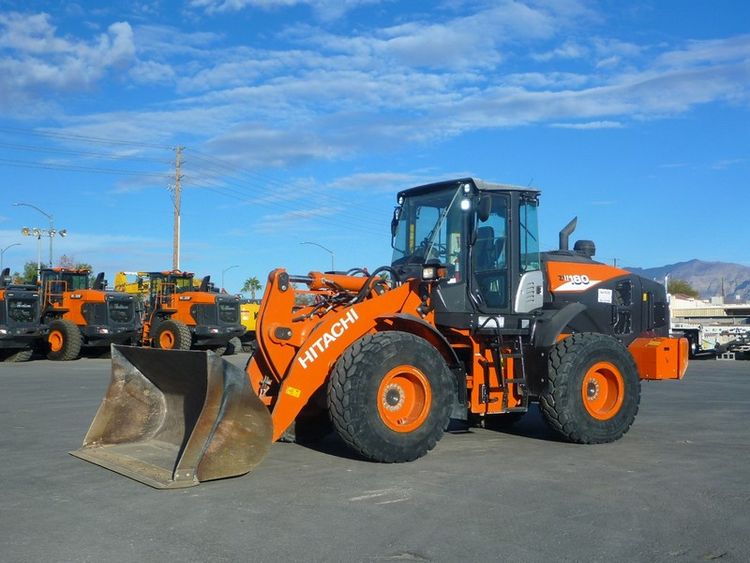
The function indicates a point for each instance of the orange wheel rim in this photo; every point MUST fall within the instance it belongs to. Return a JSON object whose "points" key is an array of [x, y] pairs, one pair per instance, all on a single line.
{"points": [[166, 340], [55, 340], [404, 399], [603, 390]]}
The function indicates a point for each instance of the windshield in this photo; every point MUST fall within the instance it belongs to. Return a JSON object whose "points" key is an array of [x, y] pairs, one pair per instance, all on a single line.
{"points": [[170, 283], [182, 283], [66, 281], [429, 228], [76, 281]]}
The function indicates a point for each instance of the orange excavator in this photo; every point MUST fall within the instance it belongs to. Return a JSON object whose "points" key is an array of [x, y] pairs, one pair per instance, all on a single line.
{"points": [[470, 321]]}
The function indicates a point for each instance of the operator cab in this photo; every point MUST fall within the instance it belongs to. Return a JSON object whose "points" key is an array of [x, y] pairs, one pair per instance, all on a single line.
{"points": [[483, 237], [57, 281], [63, 279], [166, 283]]}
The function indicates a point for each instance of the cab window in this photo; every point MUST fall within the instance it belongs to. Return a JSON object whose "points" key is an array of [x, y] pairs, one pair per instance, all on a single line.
{"points": [[489, 256]]}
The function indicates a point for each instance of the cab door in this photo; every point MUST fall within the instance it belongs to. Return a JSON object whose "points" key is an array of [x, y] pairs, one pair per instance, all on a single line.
{"points": [[489, 257]]}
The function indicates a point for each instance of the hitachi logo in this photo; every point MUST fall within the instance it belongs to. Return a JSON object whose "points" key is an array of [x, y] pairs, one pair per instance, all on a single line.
{"points": [[321, 344]]}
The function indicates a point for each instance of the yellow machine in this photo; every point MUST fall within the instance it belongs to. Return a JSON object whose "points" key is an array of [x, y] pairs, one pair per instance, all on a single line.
{"points": [[249, 317]]}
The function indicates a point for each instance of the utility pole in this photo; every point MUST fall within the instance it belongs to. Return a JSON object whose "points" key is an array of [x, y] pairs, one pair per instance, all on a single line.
{"points": [[177, 193]]}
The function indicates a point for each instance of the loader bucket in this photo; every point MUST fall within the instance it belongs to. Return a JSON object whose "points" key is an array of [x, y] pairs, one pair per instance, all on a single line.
{"points": [[171, 419]]}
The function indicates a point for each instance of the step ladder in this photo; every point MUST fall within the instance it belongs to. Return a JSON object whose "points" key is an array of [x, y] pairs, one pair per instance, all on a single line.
{"points": [[498, 360]]}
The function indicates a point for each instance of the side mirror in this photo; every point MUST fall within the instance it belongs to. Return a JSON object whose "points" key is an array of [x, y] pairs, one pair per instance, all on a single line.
{"points": [[204, 283], [394, 221], [484, 208]]}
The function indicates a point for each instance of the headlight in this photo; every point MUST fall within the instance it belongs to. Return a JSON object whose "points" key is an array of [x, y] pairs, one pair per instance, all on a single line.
{"points": [[430, 273]]}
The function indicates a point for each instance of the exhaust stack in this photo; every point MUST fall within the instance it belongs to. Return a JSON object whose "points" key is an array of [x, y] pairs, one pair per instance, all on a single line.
{"points": [[566, 232]]}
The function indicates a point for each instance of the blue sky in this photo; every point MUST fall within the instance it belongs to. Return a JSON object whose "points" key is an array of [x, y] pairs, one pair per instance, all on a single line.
{"points": [[302, 118]]}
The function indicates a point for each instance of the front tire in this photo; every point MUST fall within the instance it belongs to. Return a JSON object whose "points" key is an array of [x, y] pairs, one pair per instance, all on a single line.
{"points": [[19, 356], [593, 389], [389, 396], [172, 335], [65, 340]]}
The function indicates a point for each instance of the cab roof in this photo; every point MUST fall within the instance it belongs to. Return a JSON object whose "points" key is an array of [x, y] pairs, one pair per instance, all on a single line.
{"points": [[175, 273], [481, 185], [60, 270]]}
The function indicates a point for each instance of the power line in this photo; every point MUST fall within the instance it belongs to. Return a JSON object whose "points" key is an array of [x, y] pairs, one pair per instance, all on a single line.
{"points": [[234, 193], [100, 155], [244, 191], [215, 174], [85, 138], [78, 168], [233, 170]]}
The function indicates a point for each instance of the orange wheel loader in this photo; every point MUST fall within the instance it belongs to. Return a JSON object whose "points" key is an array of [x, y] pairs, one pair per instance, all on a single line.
{"points": [[180, 314], [82, 313], [21, 328], [470, 321]]}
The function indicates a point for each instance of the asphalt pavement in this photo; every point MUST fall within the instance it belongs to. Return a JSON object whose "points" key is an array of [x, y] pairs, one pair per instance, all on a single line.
{"points": [[675, 488]]}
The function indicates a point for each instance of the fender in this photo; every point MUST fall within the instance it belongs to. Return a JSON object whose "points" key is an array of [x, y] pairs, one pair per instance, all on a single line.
{"points": [[546, 330], [419, 327]]}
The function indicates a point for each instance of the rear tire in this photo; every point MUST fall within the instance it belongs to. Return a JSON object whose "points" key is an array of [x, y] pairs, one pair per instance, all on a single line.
{"points": [[65, 340], [593, 389], [172, 335], [19, 356], [389, 396]]}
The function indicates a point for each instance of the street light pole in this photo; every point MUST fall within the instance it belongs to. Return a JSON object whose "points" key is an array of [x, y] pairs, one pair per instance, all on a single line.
{"points": [[329, 251], [2, 253], [222, 275], [37, 232], [50, 232]]}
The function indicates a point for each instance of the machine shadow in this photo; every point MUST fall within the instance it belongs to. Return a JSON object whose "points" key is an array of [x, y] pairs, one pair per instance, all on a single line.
{"points": [[532, 425]]}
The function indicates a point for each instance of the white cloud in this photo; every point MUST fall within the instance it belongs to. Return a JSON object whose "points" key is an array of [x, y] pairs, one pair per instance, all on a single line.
{"points": [[324, 9], [316, 95], [378, 181], [589, 125], [35, 58], [707, 52], [297, 221], [568, 50], [152, 72], [728, 163]]}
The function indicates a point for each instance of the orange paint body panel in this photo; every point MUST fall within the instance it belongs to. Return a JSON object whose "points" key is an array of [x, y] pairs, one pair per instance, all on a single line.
{"points": [[72, 302], [484, 377], [660, 358], [574, 276]]}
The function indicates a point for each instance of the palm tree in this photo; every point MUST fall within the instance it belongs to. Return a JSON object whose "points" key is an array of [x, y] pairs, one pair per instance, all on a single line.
{"points": [[252, 285]]}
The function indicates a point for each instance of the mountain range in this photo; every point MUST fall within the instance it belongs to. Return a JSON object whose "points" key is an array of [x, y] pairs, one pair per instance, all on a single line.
{"points": [[707, 278]]}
